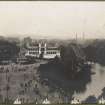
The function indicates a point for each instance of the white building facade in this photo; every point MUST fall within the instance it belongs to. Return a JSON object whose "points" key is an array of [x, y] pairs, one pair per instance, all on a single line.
{"points": [[43, 51]]}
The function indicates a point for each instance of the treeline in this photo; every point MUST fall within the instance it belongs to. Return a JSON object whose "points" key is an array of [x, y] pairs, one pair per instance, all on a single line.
{"points": [[95, 51], [73, 56], [72, 59], [8, 49]]}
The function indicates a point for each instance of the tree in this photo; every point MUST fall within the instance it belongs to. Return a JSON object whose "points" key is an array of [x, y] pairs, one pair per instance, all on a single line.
{"points": [[8, 50], [72, 58], [26, 40]]}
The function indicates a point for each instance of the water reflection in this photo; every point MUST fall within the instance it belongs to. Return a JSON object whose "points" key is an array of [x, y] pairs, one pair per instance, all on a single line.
{"points": [[97, 83]]}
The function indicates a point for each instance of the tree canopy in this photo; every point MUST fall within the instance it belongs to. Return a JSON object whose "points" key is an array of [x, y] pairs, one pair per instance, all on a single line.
{"points": [[8, 50]]}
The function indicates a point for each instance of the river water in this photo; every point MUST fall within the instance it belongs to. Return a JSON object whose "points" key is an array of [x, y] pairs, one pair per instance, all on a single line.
{"points": [[96, 85]]}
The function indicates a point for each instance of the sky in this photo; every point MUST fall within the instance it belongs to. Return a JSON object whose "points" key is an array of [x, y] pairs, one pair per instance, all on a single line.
{"points": [[49, 19]]}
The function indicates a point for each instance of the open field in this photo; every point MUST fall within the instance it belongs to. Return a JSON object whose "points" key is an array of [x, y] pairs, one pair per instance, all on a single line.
{"points": [[18, 81]]}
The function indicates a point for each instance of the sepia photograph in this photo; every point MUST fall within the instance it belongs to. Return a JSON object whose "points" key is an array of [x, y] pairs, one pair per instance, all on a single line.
{"points": [[52, 52]]}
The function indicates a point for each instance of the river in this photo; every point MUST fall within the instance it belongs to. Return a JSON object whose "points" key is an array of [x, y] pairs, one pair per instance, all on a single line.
{"points": [[96, 85]]}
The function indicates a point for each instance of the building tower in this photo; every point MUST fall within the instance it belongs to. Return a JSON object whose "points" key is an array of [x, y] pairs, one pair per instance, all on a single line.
{"points": [[39, 48], [45, 48]]}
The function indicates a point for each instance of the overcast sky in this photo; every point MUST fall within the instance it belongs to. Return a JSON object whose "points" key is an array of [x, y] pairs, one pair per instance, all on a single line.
{"points": [[52, 19]]}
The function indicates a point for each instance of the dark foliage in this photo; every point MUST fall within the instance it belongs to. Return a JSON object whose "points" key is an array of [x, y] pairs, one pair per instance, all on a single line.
{"points": [[54, 76], [8, 50], [72, 58], [95, 52], [90, 52]]}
